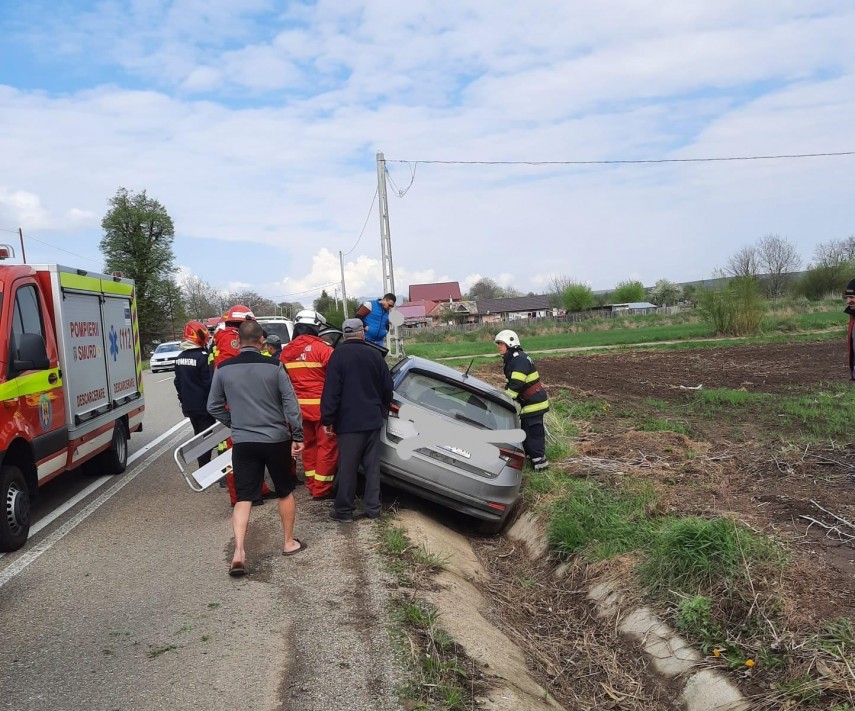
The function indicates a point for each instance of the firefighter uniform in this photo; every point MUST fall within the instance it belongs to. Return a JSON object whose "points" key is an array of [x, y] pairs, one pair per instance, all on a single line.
{"points": [[305, 359], [524, 386]]}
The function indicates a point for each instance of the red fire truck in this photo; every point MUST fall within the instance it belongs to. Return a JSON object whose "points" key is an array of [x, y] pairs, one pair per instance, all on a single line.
{"points": [[71, 387]]}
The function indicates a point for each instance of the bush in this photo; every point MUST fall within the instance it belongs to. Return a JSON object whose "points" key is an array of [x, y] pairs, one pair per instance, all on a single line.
{"points": [[734, 310], [577, 297]]}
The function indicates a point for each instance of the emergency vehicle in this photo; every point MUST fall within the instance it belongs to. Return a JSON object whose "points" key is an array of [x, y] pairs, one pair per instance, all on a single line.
{"points": [[71, 387]]}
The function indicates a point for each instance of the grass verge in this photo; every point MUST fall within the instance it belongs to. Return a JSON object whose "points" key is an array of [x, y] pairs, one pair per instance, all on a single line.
{"points": [[441, 675]]}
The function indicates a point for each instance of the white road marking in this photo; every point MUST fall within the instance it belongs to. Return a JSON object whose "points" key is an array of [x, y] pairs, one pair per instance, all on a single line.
{"points": [[163, 380], [98, 483]]}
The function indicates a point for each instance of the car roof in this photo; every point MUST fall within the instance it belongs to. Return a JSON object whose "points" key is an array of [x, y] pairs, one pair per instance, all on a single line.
{"points": [[444, 371]]}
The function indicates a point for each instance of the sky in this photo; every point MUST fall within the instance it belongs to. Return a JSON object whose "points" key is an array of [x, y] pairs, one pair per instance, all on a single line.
{"points": [[257, 124]]}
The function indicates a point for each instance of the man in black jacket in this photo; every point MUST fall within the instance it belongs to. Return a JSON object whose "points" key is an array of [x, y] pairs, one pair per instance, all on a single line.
{"points": [[354, 405], [193, 380]]}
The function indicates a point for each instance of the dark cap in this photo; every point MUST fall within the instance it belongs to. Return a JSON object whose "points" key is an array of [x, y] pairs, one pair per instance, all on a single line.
{"points": [[273, 340], [850, 289], [352, 326]]}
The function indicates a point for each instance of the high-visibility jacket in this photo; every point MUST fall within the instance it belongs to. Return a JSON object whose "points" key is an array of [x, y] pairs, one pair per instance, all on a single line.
{"points": [[524, 384], [226, 344], [305, 358]]}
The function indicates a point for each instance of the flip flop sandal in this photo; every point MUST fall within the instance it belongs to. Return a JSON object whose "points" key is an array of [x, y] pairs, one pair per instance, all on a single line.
{"points": [[302, 547], [237, 570]]}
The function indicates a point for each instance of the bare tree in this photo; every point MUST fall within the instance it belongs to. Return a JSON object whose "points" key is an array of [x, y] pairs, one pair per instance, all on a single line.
{"points": [[556, 288], [778, 259], [744, 263], [201, 300], [834, 253]]}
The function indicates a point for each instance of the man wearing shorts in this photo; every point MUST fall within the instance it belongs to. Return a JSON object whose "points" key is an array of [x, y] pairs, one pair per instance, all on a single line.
{"points": [[253, 396]]}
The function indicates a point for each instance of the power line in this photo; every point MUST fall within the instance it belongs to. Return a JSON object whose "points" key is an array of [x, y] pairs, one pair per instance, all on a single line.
{"points": [[622, 162], [73, 254], [367, 217], [398, 191], [307, 291]]}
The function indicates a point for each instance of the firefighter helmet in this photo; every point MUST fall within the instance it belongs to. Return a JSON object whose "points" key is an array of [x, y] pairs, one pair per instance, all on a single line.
{"points": [[238, 313], [312, 318], [196, 332], [508, 337]]}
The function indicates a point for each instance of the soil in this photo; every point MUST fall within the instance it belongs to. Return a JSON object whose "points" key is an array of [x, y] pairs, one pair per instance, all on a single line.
{"points": [[746, 463]]}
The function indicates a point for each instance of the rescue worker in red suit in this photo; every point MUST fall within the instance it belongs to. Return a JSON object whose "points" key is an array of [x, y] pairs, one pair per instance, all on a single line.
{"points": [[305, 358], [227, 345]]}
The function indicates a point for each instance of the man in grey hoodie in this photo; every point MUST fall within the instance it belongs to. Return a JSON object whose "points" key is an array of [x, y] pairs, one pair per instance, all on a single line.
{"points": [[252, 394]]}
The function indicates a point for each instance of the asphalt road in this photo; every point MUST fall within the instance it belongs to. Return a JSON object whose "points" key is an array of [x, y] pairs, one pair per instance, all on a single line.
{"points": [[121, 598]]}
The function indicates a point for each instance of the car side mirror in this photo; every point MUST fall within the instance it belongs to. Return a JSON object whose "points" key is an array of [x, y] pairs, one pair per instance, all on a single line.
{"points": [[31, 353]]}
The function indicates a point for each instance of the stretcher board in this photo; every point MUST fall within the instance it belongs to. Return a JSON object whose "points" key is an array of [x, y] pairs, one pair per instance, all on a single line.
{"points": [[187, 454]]}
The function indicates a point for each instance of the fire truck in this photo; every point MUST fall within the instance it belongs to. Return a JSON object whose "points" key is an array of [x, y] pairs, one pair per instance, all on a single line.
{"points": [[71, 390]]}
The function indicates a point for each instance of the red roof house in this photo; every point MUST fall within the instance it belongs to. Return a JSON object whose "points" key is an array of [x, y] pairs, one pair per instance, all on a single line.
{"points": [[442, 291]]}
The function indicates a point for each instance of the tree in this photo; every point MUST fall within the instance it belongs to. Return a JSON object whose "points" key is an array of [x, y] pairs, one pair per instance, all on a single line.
{"points": [[137, 241], [744, 263], [577, 297], [777, 259], [201, 300], [256, 303], [329, 307], [486, 288], [556, 288], [666, 293], [734, 309], [629, 291], [170, 297], [833, 266]]}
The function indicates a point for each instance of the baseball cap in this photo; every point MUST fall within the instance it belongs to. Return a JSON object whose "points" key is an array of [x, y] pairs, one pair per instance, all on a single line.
{"points": [[352, 325], [273, 339]]}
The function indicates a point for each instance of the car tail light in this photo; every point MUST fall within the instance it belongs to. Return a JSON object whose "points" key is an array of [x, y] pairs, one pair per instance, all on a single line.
{"points": [[494, 505], [514, 458], [394, 409]]}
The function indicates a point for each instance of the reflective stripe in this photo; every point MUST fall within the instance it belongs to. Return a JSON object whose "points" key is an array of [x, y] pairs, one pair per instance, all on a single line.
{"points": [[513, 393], [516, 375], [29, 384], [318, 477], [116, 287], [309, 401], [303, 364], [531, 378], [310, 474], [535, 407], [77, 281]]}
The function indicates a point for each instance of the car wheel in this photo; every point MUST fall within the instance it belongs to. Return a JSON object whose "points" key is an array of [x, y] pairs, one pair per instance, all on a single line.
{"points": [[116, 458], [15, 511]]}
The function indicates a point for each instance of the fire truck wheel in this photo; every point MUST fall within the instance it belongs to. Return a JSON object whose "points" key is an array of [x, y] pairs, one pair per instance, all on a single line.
{"points": [[14, 509], [116, 458]]}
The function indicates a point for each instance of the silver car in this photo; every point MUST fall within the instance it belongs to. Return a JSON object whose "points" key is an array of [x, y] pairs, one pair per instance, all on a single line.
{"points": [[164, 356], [482, 482]]}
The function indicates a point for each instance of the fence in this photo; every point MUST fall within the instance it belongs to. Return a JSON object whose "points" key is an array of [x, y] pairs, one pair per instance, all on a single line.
{"points": [[574, 317]]}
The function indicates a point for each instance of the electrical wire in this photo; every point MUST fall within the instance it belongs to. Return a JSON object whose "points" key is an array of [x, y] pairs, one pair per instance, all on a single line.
{"points": [[362, 232], [413, 167], [623, 162], [73, 254], [307, 291]]}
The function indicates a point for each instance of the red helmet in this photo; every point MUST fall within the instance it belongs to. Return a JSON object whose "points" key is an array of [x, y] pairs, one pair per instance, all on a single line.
{"points": [[238, 313], [196, 332]]}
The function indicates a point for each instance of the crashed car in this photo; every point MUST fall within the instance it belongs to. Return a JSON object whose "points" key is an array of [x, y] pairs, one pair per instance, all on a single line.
{"points": [[438, 442]]}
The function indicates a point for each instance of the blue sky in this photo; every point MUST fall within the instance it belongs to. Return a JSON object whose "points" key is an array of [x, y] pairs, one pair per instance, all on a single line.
{"points": [[256, 123]]}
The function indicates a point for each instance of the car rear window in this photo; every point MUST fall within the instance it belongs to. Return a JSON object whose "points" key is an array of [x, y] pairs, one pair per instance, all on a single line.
{"points": [[455, 401], [168, 347], [280, 329]]}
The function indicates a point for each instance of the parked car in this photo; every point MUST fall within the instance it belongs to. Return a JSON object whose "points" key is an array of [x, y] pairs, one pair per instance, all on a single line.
{"points": [[282, 327], [164, 356], [482, 482]]}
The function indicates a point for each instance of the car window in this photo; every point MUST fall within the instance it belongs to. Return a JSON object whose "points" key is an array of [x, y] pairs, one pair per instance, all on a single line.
{"points": [[168, 347], [279, 329], [455, 401]]}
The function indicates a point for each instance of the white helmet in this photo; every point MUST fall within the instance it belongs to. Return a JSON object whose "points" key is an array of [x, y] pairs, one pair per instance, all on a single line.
{"points": [[310, 318], [508, 337]]}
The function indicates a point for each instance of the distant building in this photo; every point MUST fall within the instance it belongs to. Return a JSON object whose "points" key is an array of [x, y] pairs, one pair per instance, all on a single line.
{"points": [[515, 308], [440, 291]]}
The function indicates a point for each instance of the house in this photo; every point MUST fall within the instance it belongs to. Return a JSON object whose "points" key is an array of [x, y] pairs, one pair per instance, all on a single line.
{"points": [[440, 291], [515, 308], [415, 314], [631, 306]]}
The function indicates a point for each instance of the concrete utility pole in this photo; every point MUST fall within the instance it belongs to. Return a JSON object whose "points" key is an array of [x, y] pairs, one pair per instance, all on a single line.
{"points": [[23, 252], [386, 241], [343, 289]]}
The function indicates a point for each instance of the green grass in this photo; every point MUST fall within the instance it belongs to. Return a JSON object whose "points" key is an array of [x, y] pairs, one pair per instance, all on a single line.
{"points": [[691, 555], [601, 522], [656, 424]]}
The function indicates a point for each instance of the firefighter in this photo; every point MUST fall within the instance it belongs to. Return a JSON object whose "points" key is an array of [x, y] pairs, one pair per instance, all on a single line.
{"points": [[524, 386], [305, 359], [227, 345], [193, 379]]}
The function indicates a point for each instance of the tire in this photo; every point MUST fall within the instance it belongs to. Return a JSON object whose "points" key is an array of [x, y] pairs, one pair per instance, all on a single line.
{"points": [[115, 459], [492, 528], [14, 508]]}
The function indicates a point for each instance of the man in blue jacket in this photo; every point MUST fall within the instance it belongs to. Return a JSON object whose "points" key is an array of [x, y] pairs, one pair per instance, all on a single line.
{"points": [[193, 380], [375, 319], [354, 405]]}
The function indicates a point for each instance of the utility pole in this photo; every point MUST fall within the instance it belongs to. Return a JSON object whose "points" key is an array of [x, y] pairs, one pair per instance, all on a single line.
{"points": [[343, 289], [23, 253], [385, 239]]}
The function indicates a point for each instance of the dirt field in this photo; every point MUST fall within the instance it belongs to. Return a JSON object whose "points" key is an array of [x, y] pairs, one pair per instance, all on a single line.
{"points": [[750, 462]]}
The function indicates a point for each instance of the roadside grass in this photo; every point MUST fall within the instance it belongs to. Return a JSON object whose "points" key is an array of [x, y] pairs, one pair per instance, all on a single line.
{"points": [[441, 675]]}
